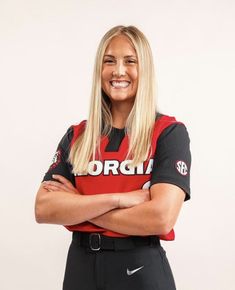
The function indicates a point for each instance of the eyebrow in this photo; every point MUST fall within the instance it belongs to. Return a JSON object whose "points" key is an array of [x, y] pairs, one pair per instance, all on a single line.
{"points": [[126, 56]]}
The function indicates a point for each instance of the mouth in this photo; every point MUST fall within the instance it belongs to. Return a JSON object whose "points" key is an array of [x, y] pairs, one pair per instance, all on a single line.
{"points": [[119, 84]]}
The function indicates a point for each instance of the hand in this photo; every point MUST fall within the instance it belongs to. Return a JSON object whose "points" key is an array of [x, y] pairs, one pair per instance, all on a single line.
{"points": [[62, 184], [132, 198]]}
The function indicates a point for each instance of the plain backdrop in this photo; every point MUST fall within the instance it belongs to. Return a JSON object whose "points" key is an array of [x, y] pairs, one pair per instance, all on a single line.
{"points": [[47, 52]]}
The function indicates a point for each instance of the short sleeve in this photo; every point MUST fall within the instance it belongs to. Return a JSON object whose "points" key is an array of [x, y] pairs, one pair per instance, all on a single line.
{"points": [[172, 160], [60, 164]]}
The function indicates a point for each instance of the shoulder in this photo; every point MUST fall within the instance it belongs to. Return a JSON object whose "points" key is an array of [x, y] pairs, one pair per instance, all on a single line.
{"points": [[171, 126], [71, 132], [78, 128]]}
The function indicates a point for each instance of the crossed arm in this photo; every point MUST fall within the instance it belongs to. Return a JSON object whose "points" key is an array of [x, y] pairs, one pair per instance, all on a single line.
{"points": [[153, 216]]}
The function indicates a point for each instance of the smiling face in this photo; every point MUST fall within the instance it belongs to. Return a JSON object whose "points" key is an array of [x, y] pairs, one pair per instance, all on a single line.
{"points": [[119, 76]]}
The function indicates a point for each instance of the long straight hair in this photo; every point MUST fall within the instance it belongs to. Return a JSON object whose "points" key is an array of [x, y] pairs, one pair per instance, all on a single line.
{"points": [[140, 122]]}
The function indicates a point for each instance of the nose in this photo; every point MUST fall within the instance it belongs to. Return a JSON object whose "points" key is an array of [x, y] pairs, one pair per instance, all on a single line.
{"points": [[119, 69]]}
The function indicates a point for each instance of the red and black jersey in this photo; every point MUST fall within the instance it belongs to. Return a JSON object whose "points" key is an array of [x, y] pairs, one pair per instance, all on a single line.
{"points": [[169, 163]]}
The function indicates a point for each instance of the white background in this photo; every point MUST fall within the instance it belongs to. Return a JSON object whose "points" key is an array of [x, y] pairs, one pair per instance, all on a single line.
{"points": [[47, 51]]}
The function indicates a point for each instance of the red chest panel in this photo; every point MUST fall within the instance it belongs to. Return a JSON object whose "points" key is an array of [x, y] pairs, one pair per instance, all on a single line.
{"points": [[112, 174]]}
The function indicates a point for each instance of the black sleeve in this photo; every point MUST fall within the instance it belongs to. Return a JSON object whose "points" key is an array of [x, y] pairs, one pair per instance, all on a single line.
{"points": [[172, 160], [60, 164]]}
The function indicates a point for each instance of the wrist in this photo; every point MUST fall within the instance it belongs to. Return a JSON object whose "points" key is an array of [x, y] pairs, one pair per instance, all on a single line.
{"points": [[116, 200]]}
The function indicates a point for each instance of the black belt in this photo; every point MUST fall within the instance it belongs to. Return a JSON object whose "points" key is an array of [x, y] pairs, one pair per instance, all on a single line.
{"points": [[97, 241]]}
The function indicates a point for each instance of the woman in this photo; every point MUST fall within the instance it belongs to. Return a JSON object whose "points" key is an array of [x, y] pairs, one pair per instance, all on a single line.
{"points": [[118, 180]]}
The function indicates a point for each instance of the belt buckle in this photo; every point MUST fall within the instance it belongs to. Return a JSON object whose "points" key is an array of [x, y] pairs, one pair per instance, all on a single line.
{"points": [[99, 241]]}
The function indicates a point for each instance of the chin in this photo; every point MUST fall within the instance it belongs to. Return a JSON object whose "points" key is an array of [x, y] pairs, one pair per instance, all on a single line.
{"points": [[122, 99]]}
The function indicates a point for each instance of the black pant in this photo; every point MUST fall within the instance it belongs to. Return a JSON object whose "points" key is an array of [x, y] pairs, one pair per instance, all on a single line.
{"points": [[140, 268]]}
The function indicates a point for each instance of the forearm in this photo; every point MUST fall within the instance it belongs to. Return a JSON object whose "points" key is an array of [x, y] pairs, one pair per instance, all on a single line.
{"points": [[64, 208], [143, 219]]}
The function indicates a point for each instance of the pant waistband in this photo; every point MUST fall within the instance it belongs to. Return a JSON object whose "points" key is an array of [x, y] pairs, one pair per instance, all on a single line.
{"points": [[97, 241]]}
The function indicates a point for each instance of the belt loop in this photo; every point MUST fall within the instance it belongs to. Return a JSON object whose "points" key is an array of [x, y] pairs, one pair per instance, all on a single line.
{"points": [[77, 237], [115, 245]]}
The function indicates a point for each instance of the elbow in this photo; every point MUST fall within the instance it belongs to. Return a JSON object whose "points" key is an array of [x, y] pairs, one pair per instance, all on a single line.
{"points": [[165, 229], [38, 215], [40, 211], [167, 226], [161, 225]]}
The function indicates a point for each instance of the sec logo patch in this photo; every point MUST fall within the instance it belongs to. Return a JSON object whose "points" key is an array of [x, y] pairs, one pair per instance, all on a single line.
{"points": [[182, 167]]}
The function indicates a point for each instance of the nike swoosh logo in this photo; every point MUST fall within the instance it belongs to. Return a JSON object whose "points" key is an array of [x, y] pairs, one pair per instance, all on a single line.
{"points": [[131, 272]]}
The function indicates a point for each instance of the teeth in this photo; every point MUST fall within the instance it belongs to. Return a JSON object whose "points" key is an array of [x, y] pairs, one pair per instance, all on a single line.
{"points": [[122, 84]]}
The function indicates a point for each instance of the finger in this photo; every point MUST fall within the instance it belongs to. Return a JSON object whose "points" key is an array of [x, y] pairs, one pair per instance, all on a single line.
{"points": [[57, 185], [55, 188], [63, 180], [52, 182], [51, 187]]}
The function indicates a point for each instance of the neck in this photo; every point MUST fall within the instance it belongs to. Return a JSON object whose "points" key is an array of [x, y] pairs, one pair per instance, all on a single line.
{"points": [[120, 113]]}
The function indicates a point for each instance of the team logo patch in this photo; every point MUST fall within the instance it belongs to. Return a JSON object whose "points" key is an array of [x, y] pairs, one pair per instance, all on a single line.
{"points": [[182, 167], [56, 159]]}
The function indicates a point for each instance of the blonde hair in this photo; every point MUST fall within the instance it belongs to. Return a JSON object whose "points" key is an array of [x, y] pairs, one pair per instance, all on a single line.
{"points": [[140, 122]]}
